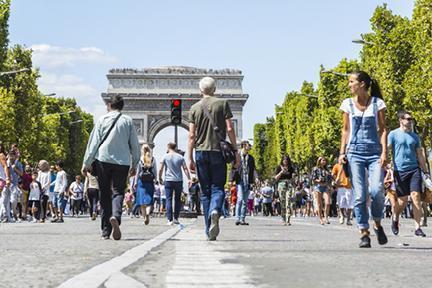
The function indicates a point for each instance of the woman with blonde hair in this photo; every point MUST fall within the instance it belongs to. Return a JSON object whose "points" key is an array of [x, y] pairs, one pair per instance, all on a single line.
{"points": [[44, 178], [322, 178], [145, 182]]}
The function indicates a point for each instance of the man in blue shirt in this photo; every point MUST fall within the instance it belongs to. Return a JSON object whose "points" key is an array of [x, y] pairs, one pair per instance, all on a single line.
{"points": [[408, 158]]}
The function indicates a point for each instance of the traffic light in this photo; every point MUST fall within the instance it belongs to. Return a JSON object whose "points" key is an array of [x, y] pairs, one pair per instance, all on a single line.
{"points": [[176, 111]]}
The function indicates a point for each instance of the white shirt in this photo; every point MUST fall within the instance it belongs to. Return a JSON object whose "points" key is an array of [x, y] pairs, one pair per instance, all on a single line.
{"points": [[44, 179], [77, 190], [61, 182], [34, 192]]}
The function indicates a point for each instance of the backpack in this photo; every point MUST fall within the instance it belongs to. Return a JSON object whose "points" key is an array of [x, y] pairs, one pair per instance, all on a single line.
{"points": [[146, 174]]}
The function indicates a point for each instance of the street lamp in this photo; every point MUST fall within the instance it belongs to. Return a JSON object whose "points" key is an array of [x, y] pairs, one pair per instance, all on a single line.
{"points": [[75, 122], [335, 73], [308, 95], [61, 113], [362, 42], [49, 95], [14, 71]]}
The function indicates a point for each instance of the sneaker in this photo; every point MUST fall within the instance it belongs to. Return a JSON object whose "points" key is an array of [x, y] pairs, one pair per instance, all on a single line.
{"points": [[365, 242], [341, 220], [419, 232], [93, 216], [175, 221], [116, 228], [327, 221], [237, 222], [348, 222], [169, 223], [214, 225], [395, 227], [105, 237], [382, 238], [54, 220], [60, 220]]}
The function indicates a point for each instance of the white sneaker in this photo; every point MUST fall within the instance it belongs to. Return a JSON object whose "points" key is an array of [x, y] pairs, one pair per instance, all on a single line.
{"points": [[214, 225], [176, 221], [341, 220], [170, 223]]}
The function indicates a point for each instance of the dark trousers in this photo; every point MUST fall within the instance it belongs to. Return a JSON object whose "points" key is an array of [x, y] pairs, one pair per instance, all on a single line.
{"points": [[112, 179], [268, 210], [196, 204], [170, 188], [93, 198], [44, 206]]}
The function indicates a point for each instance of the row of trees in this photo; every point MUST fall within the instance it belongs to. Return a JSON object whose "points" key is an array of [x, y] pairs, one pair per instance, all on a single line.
{"points": [[44, 127], [397, 53]]}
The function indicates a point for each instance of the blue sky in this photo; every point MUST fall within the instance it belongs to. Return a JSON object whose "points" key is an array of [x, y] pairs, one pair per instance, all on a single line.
{"points": [[277, 44]]}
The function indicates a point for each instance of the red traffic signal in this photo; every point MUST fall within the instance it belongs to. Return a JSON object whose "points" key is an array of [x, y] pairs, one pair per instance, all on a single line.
{"points": [[176, 103], [176, 111]]}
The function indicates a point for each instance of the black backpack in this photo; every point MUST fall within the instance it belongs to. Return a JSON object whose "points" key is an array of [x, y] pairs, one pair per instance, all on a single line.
{"points": [[146, 174]]}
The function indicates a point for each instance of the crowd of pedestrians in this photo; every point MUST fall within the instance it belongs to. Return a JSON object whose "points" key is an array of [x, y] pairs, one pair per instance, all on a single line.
{"points": [[120, 178]]}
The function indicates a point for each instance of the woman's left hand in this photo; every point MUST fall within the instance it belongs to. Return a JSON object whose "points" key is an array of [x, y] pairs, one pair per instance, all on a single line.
{"points": [[383, 159]]}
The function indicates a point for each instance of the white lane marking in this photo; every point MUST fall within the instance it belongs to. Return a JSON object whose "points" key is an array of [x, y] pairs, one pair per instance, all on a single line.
{"points": [[100, 273], [121, 280], [199, 263]]}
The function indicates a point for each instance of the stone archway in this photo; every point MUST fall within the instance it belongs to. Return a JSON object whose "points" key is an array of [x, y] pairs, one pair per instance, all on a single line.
{"points": [[148, 94]]}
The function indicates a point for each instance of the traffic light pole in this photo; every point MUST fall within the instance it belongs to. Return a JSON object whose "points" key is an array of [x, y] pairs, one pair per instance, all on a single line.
{"points": [[175, 135]]}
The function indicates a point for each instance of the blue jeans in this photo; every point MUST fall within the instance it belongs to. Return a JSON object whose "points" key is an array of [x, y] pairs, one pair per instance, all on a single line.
{"points": [[177, 188], [358, 164], [242, 198], [212, 172]]}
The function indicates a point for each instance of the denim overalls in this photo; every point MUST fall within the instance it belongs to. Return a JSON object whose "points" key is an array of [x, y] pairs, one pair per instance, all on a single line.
{"points": [[363, 153]]}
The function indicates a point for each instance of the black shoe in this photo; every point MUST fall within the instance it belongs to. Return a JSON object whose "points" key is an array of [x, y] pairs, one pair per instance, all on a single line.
{"points": [[395, 227], [244, 223], [54, 220], [365, 242], [237, 222], [60, 220], [105, 237], [382, 238], [419, 232]]}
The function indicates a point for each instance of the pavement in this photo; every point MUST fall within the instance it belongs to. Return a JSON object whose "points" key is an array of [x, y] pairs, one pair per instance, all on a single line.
{"points": [[263, 254]]}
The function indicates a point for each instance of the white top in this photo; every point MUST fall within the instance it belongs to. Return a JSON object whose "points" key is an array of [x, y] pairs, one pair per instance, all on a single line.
{"points": [[44, 179], [369, 112], [34, 192], [61, 182], [345, 107], [77, 190]]}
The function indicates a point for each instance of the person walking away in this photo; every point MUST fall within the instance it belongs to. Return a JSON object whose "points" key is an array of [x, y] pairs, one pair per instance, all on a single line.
{"points": [[91, 189], [285, 191], [44, 178], [409, 164], [364, 146], [322, 178], [171, 166], [345, 197], [267, 194], [16, 170], [145, 182], [4, 187], [114, 158], [210, 165]]}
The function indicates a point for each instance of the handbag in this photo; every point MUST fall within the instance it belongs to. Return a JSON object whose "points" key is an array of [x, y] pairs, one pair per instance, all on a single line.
{"points": [[93, 165], [226, 147]]}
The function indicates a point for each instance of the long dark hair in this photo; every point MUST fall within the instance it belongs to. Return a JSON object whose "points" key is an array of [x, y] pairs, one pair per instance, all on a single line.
{"points": [[287, 158], [2, 149], [375, 90]]}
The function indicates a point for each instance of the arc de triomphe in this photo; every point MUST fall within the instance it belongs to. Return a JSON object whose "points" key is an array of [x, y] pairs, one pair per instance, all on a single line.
{"points": [[148, 93]]}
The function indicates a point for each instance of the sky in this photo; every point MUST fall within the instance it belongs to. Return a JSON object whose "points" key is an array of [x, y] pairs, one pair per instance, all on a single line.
{"points": [[277, 44]]}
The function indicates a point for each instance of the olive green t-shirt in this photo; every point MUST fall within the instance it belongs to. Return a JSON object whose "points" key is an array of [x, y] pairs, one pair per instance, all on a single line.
{"points": [[206, 138]]}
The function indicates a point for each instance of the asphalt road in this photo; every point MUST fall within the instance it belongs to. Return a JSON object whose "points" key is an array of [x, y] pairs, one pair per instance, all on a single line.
{"points": [[263, 254]]}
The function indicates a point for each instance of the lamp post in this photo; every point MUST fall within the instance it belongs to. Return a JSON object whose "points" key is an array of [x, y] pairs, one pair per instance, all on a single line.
{"points": [[308, 95], [60, 113], [334, 73], [362, 42], [49, 95], [75, 122], [13, 71]]}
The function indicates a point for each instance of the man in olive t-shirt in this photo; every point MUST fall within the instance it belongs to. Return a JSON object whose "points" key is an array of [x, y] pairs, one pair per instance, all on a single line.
{"points": [[210, 165]]}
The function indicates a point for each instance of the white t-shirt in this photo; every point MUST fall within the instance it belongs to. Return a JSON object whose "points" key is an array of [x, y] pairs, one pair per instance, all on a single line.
{"points": [[77, 190], [34, 192], [61, 182], [44, 179], [369, 112]]}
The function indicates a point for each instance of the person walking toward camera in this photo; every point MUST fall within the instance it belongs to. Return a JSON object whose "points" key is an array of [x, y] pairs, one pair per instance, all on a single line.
{"points": [[322, 182], [210, 164], [409, 162], [145, 182], [172, 165], [364, 146], [113, 148], [285, 190]]}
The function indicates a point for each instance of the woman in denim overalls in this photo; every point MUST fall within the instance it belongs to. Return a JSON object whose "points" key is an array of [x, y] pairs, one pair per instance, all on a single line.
{"points": [[364, 145]]}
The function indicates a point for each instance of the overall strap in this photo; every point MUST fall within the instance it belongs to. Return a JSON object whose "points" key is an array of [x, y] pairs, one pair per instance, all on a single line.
{"points": [[375, 105], [351, 104]]}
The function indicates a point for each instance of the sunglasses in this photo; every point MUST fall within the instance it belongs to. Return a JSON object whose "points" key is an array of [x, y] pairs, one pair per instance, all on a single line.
{"points": [[408, 119]]}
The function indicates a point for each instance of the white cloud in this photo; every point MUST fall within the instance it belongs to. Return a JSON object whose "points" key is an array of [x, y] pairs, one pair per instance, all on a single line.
{"points": [[72, 86], [47, 56]]}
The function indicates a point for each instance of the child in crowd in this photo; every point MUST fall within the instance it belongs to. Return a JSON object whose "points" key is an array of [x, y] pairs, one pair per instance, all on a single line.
{"points": [[34, 197], [129, 200]]}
